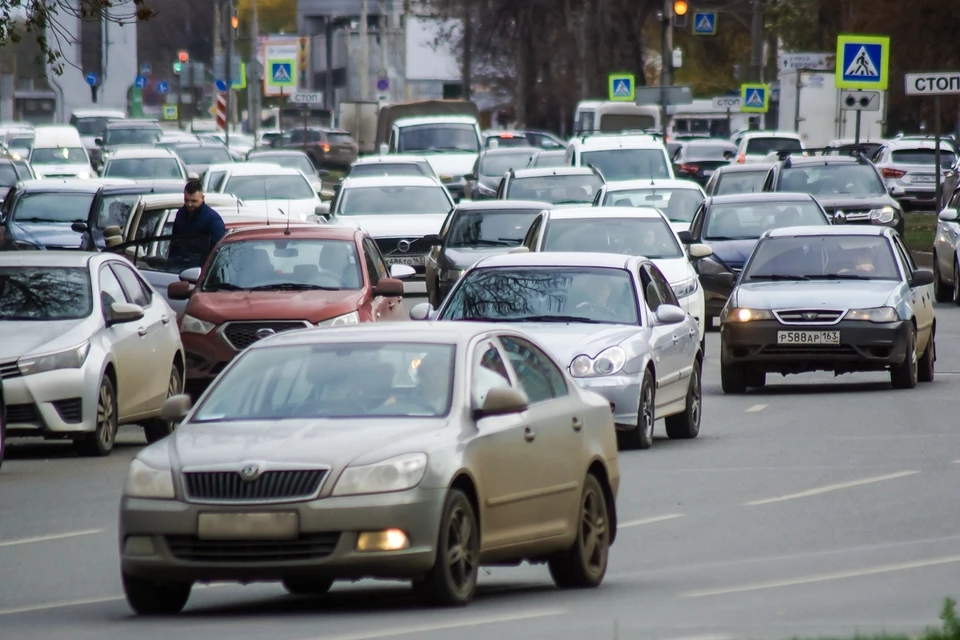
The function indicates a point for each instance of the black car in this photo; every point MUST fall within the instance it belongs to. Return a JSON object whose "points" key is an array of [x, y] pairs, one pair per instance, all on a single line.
{"points": [[491, 164], [699, 159], [124, 133], [732, 179], [731, 226], [559, 186], [849, 188], [475, 230]]}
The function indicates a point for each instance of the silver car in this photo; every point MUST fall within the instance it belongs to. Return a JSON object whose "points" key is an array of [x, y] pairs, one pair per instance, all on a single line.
{"points": [[612, 320], [908, 169], [417, 452], [85, 345]]}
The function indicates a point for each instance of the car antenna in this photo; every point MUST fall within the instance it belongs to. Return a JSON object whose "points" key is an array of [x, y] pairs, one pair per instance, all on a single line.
{"points": [[265, 200], [286, 231]]}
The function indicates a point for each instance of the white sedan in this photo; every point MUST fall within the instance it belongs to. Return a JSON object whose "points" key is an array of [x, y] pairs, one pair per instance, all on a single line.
{"points": [[87, 345], [272, 189], [677, 199], [632, 231]]}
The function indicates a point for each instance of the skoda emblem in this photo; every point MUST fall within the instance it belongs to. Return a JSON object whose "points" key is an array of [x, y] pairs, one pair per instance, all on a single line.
{"points": [[404, 245], [266, 332], [250, 472]]}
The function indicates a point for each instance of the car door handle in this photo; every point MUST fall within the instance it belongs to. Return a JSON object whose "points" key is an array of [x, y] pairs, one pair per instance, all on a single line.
{"points": [[165, 319], [142, 331], [528, 434], [676, 338], [577, 424]]}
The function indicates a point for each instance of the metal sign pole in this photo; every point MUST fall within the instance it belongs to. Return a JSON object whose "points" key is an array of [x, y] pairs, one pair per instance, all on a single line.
{"points": [[936, 142], [856, 134]]}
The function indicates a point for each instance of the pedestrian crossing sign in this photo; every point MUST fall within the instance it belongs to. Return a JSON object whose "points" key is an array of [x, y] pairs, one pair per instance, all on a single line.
{"points": [[281, 74], [754, 98], [622, 87], [862, 62], [170, 112], [704, 23]]}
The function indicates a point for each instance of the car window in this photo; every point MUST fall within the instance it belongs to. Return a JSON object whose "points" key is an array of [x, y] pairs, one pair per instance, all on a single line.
{"points": [[490, 372], [283, 265], [132, 136], [739, 182], [664, 290], [375, 268], [494, 165], [557, 189], [923, 156], [650, 237], [137, 292], [530, 240], [651, 292], [497, 228], [270, 187], [678, 205], [748, 220], [150, 223], [540, 379], [764, 145], [143, 169], [110, 288], [206, 154], [828, 257], [390, 200], [628, 164], [905, 255], [52, 206], [826, 180], [44, 293], [59, 155]]}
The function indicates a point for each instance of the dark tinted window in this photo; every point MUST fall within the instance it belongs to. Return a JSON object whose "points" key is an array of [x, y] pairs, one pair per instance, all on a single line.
{"points": [[91, 126], [44, 293], [53, 207], [498, 164], [439, 138], [838, 179], [204, 155], [490, 228], [708, 152], [616, 122], [143, 169], [649, 237], [740, 182], [538, 375], [137, 136], [628, 164], [340, 138], [924, 156], [824, 257], [559, 189], [763, 146], [748, 221], [136, 291]]}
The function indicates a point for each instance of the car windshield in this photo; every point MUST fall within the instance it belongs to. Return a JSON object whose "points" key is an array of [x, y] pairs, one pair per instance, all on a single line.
{"points": [[368, 201], [52, 206], [763, 146], [679, 205], [736, 182], [649, 237], [495, 165], [334, 381], [143, 169], [8, 175], [490, 228], [836, 179], [438, 138], [545, 294], [114, 210], [132, 136], [290, 187], [748, 220], [288, 161], [379, 169], [826, 257], [283, 264], [94, 126], [211, 154], [44, 293], [24, 141], [557, 189], [924, 156], [59, 155], [628, 164], [549, 159]]}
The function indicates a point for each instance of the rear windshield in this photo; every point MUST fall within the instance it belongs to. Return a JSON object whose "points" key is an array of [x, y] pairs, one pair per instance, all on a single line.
{"points": [[763, 146], [497, 165], [924, 156], [556, 189], [8, 175], [708, 152], [740, 182], [340, 138]]}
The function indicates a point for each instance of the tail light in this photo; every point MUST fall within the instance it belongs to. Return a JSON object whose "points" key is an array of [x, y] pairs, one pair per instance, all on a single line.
{"points": [[324, 147], [892, 173], [741, 158], [689, 168]]}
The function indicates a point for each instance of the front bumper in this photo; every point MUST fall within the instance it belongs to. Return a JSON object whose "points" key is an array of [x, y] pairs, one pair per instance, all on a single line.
{"points": [[715, 295], [623, 394], [206, 355], [864, 346], [324, 548], [51, 403]]}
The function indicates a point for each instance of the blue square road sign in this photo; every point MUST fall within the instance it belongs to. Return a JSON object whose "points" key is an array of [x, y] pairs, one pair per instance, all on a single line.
{"points": [[704, 23]]}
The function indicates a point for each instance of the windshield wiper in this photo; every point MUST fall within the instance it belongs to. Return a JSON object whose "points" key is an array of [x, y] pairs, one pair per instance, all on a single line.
{"points": [[570, 202], [39, 220], [502, 242], [841, 276], [563, 319], [293, 286], [776, 276]]}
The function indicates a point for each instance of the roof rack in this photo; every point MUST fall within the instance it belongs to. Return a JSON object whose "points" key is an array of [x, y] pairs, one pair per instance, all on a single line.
{"points": [[854, 151]]}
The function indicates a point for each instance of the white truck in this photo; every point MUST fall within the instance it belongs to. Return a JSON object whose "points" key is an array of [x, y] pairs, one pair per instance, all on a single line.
{"points": [[810, 105], [360, 119]]}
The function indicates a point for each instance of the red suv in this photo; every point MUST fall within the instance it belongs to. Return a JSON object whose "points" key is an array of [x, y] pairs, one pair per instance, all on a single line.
{"points": [[266, 279]]}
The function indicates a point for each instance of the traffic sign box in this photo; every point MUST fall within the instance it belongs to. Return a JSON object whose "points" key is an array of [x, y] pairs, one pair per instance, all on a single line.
{"points": [[306, 98], [281, 74], [170, 112], [705, 23], [140, 82], [622, 87], [163, 87], [945, 83], [863, 62], [754, 98]]}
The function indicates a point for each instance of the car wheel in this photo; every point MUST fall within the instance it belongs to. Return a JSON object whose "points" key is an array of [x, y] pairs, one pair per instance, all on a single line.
{"points": [[453, 579], [641, 437], [100, 442], [733, 378], [904, 376], [925, 367], [940, 291], [155, 598], [686, 425], [956, 282], [157, 429], [585, 564], [3, 430], [307, 586]]}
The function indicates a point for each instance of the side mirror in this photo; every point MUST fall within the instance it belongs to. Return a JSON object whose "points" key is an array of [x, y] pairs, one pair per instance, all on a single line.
{"points": [[421, 311], [728, 155], [669, 314], [921, 278], [725, 279], [179, 290], [79, 227], [700, 251], [402, 271], [322, 172], [389, 288], [501, 401], [685, 237], [432, 239], [949, 215], [469, 176], [520, 249], [176, 408], [322, 210], [191, 275], [98, 142], [384, 149], [123, 312]]}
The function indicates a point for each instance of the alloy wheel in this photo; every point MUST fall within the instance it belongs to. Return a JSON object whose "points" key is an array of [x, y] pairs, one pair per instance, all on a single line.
{"points": [[594, 531], [106, 417], [461, 560]]}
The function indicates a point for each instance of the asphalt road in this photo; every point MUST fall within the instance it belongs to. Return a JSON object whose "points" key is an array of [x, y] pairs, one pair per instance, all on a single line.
{"points": [[815, 506]]}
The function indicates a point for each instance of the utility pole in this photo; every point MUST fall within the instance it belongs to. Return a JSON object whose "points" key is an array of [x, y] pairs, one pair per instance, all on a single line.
{"points": [[666, 60], [467, 80], [254, 86], [384, 38], [406, 76], [228, 70], [364, 52], [756, 42]]}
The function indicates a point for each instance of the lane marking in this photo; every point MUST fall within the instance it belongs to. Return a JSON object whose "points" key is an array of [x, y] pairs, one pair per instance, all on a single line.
{"points": [[824, 577], [54, 536], [831, 487], [956, 462], [443, 626], [84, 601], [757, 407], [642, 521]]}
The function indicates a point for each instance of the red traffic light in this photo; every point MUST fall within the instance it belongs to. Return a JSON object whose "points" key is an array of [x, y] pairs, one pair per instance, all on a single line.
{"points": [[183, 56]]}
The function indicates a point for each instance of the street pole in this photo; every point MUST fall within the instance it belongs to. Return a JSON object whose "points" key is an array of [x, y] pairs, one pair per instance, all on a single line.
{"points": [[364, 52], [228, 71], [383, 40], [406, 78], [756, 51], [467, 79], [856, 131], [254, 78], [665, 61], [936, 142]]}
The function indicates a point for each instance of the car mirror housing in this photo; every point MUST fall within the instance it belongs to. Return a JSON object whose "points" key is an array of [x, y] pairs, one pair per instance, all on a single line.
{"points": [[670, 314], [123, 312], [501, 401], [922, 278], [179, 290], [176, 408], [949, 215], [389, 287], [725, 279], [700, 251], [191, 275], [421, 311]]}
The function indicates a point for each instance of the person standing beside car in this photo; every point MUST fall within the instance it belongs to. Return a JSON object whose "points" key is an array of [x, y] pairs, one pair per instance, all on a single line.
{"points": [[197, 228]]}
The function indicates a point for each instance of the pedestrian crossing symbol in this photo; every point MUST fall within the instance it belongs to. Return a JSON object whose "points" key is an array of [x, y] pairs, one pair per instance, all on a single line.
{"points": [[623, 87], [704, 24], [754, 98], [281, 74], [862, 62]]}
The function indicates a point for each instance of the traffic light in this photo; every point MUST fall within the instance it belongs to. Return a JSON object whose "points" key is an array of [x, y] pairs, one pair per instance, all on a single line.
{"points": [[680, 9], [183, 56], [177, 67]]}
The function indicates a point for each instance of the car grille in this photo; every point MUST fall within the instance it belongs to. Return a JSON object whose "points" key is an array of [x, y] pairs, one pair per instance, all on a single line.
{"points": [[241, 335], [810, 316], [854, 215], [307, 547], [270, 485], [392, 247], [22, 414], [809, 350], [9, 370], [71, 411]]}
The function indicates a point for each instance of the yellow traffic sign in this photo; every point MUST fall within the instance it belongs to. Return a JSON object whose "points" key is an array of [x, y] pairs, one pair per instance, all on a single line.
{"points": [[170, 112], [754, 98], [863, 62], [622, 87]]}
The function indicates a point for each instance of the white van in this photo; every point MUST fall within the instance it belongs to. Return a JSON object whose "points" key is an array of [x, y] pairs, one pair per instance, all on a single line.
{"points": [[58, 153], [599, 116], [621, 157]]}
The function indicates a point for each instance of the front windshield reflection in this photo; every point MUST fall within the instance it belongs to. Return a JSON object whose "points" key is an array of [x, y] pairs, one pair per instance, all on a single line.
{"points": [[745, 221], [44, 293], [823, 258], [649, 237], [265, 265]]}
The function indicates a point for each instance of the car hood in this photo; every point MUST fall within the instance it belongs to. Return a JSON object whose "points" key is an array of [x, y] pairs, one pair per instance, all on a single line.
{"points": [[333, 442], [52, 235], [466, 257], [839, 201], [398, 225], [451, 164], [733, 253], [674, 269], [22, 337], [567, 341], [44, 170], [300, 209], [814, 294], [312, 306]]}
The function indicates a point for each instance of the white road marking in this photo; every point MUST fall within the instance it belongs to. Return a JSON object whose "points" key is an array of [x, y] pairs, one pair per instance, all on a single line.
{"points": [[54, 536], [824, 577], [956, 462], [83, 601], [831, 487], [757, 407], [707, 637], [642, 521], [443, 626]]}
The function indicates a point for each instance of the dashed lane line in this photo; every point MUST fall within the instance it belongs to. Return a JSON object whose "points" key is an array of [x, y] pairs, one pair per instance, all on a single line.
{"points": [[53, 536], [831, 487], [643, 521], [757, 407]]}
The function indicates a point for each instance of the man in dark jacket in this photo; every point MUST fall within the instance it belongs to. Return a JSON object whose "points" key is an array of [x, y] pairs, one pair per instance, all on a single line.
{"points": [[196, 230]]}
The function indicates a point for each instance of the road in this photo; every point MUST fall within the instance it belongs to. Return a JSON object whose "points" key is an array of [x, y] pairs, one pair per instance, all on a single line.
{"points": [[815, 506]]}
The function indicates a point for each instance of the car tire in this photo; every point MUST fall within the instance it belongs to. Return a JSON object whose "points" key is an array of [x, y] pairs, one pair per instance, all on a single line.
{"points": [[153, 598], [301, 586], [905, 375], [641, 437], [584, 565], [686, 425], [756, 378], [100, 442], [733, 378], [941, 293], [926, 369], [453, 583], [156, 429], [3, 430], [956, 282]]}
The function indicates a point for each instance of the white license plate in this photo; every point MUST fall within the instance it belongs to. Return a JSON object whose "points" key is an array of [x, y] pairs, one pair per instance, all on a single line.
{"points": [[413, 261], [248, 526], [708, 172], [808, 337], [922, 179]]}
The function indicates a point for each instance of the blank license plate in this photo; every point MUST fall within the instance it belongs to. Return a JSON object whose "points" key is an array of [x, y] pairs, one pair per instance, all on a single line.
{"points": [[708, 172], [413, 261], [808, 337], [922, 179], [248, 526]]}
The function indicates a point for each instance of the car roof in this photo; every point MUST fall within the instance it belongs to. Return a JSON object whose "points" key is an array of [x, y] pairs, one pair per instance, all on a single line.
{"points": [[310, 230], [558, 259], [145, 187], [764, 196], [539, 172], [261, 168], [659, 183], [454, 333], [501, 205], [65, 184], [598, 213], [746, 168], [142, 152], [390, 181], [393, 157], [439, 119], [830, 230], [133, 124], [48, 258], [606, 142], [793, 135]]}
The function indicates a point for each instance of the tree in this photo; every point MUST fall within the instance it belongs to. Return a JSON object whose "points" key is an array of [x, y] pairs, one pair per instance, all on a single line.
{"points": [[275, 16]]}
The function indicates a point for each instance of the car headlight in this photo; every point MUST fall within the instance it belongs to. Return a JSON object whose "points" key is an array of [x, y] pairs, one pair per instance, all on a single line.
{"points": [[69, 359], [396, 474], [877, 314], [143, 481], [741, 314], [452, 274], [686, 287], [348, 318], [189, 324], [609, 362], [883, 215], [710, 266], [485, 190]]}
